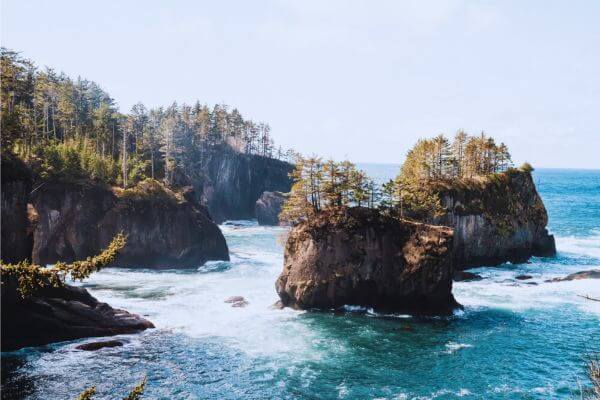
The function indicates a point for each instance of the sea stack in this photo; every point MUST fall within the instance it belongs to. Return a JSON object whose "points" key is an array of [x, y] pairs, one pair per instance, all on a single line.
{"points": [[496, 218], [367, 258]]}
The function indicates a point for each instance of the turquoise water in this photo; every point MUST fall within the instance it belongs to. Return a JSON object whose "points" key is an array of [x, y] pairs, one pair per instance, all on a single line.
{"points": [[513, 340]]}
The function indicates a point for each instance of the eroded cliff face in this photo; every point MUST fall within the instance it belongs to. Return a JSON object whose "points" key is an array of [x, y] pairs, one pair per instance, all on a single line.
{"points": [[496, 219], [78, 220], [16, 186], [370, 260], [233, 182]]}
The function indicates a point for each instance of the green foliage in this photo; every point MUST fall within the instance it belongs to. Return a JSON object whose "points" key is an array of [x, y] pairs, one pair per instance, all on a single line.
{"points": [[71, 129], [87, 394], [135, 394], [328, 186], [151, 190], [32, 277], [71, 160], [526, 167], [466, 157]]}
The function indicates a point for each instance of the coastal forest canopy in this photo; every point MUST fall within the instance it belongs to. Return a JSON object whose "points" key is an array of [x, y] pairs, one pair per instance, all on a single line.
{"points": [[72, 129]]}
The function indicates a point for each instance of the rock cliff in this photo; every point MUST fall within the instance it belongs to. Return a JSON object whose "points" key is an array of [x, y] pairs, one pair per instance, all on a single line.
{"points": [[496, 219], [233, 182], [368, 259], [16, 186], [268, 207], [76, 220], [54, 314]]}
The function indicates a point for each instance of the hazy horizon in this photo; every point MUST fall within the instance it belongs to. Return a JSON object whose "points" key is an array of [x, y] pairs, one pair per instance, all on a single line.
{"points": [[352, 79]]}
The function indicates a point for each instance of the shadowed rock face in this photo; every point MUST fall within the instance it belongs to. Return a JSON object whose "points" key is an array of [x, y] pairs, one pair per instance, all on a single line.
{"points": [[268, 208], [78, 220], [233, 182], [16, 185], [496, 220], [369, 260], [62, 313]]}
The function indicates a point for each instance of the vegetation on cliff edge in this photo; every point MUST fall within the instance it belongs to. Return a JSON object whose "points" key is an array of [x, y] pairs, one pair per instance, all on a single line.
{"points": [[31, 277], [432, 167]]}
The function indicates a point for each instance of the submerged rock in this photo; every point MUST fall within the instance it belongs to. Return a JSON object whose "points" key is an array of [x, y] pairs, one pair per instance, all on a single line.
{"points": [[93, 346], [55, 314], [77, 220], [465, 276], [268, 207], [523, 277], [496, 219], [371, 260], [237, 301], [591, 274]]}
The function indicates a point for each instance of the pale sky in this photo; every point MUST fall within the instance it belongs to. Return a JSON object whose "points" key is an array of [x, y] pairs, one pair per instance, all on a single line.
{"points": [[356, 79]]}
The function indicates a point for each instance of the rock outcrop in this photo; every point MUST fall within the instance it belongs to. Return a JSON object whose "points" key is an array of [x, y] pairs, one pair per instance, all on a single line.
{"points": [[591, 274], [55, 314], [371, 260], [496, 219], [232, 182], [16, 185], [163, 230], [268, 207]]}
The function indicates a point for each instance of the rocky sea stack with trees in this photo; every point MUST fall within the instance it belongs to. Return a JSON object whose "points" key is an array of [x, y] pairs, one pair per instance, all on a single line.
{"points": [[454, 205]]}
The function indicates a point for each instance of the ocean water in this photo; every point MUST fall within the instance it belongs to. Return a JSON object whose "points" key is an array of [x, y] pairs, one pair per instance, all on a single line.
{"points": [[513, 340]]}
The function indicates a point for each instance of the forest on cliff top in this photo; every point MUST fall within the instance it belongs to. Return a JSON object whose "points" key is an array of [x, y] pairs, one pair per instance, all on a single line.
{"points": [[71, 128]]}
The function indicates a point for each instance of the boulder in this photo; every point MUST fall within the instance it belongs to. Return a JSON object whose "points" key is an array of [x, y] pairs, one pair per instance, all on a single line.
{"points": [[268, 207], [523, 277], [55, 314], [93, 346], [365, 258], [465, 276], [77, 220], [591, 274]]}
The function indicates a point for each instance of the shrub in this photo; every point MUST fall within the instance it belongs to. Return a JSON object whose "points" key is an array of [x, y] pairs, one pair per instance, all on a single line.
{"points": [[526, 167]]}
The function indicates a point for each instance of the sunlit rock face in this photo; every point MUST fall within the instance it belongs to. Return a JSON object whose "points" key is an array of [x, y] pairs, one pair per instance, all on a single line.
{"points": [[371, 260], [496, 219]]}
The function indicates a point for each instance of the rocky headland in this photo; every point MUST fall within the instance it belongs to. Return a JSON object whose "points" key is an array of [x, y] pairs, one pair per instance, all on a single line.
{"points": [[366, 258], [164, 229]]}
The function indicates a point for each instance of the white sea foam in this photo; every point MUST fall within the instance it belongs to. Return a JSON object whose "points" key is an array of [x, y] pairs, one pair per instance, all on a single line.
{"points": [[192, 302], [452, 347], [587, 245]]}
